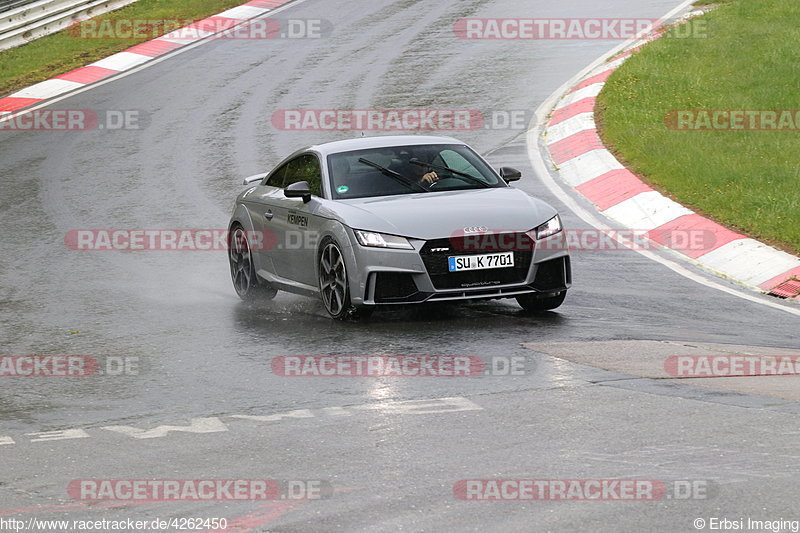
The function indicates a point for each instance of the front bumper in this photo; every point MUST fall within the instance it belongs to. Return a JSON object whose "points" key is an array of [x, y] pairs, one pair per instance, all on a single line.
{"points": [[387, 276]]}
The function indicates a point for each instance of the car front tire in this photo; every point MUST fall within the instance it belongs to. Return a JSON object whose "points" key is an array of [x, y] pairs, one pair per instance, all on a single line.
{"points": [[334, 288]]}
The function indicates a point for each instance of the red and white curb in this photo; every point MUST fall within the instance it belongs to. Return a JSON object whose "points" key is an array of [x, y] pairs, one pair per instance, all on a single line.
{"points": [[136, 55], [585, 164]]}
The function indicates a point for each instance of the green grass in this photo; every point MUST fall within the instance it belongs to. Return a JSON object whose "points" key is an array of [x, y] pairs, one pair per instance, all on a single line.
{"points": [[746, 180], [701, 3], [61, 52]]}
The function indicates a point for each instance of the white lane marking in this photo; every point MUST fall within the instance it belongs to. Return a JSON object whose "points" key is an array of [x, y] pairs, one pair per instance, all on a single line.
{"points": [[571, 126], [646, 211], [180, 41], [242, 12], [216, 425], [187, 34], [612, 65], [46, 89], [64, 434], [587, 92], [540, 167], [336, 411], [121, 61], [134, 70], [299, 413], [588, 166], [763, 264], [196, 425], [423, 407]]}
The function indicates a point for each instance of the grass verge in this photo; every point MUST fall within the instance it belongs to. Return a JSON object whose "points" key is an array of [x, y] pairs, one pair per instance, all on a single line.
{"points": [[63, 51], [747, 60]]}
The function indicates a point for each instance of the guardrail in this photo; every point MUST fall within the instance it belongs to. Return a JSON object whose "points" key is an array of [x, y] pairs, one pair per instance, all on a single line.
{"points": [[5, 5], [20, 24]]}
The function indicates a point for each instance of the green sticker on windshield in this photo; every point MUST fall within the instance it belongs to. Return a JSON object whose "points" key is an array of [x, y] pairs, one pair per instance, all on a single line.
{"points": [[341, 189]]}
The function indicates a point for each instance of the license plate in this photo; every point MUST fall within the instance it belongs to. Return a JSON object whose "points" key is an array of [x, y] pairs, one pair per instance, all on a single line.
{"points": [[459, 263]]}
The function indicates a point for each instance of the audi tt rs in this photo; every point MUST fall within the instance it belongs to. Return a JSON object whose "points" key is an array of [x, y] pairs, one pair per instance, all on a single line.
{"points": [[395, 220]]}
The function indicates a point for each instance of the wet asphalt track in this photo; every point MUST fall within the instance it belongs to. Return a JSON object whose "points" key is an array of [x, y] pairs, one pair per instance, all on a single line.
{"points": [[205, 354]]}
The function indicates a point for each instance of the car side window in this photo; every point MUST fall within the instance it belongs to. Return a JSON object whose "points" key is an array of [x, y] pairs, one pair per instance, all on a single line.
{"points": [[305, 168], [277, 177]]}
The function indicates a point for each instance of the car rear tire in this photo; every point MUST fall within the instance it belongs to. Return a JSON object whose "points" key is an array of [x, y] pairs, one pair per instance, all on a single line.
{"points": [[243, 274], [534, 303]]}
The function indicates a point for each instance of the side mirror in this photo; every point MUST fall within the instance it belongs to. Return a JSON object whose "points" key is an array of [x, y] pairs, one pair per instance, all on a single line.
{"points": [[510, 174], [300, 189], [252, 179]]}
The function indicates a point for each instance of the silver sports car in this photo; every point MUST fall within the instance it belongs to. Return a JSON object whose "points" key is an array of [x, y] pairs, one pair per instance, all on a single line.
{"points": [[395, 220]]}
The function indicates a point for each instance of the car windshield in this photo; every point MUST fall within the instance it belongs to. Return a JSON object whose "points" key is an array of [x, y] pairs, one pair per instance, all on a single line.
{"points": [[393, 170]]}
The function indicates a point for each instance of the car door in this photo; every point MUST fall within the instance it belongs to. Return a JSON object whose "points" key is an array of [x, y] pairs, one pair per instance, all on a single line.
{"points": [[261, 205], [298, 223]]}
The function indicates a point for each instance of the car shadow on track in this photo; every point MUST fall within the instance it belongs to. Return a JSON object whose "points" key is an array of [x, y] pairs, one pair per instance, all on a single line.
{"points": [[308, 315]]}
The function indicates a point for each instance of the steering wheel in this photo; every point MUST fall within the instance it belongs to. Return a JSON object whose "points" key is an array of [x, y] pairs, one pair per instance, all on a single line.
{"points": [[437, 184]]}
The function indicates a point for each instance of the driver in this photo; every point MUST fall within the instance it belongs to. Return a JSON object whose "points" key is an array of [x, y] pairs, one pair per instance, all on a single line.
{"points": [[427, 178], [422, 174]]}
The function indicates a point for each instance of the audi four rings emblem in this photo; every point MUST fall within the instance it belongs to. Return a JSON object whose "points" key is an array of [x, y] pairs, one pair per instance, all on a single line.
{"points": [[475, 229]]}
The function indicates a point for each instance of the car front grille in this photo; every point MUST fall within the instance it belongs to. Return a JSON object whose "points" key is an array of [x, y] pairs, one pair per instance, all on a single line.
{"points": [[435, 255]]}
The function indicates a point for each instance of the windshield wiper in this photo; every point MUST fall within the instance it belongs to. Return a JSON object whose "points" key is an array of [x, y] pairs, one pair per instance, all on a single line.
{"points": [[392, 174], [416, 161]]}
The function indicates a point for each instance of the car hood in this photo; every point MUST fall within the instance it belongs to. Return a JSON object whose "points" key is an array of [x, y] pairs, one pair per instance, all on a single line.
{"points": [[441, 214]]}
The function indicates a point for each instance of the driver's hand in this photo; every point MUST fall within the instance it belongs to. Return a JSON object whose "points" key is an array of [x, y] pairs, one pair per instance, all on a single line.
{"points": [[430, 178]]}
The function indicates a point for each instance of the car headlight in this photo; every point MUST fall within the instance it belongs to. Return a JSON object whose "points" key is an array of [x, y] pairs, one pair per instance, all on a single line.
{"points": [[551, 227], [381, 240]]}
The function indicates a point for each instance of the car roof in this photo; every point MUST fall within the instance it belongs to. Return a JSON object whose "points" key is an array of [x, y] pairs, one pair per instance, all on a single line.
{"points": [[364, 143]]}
